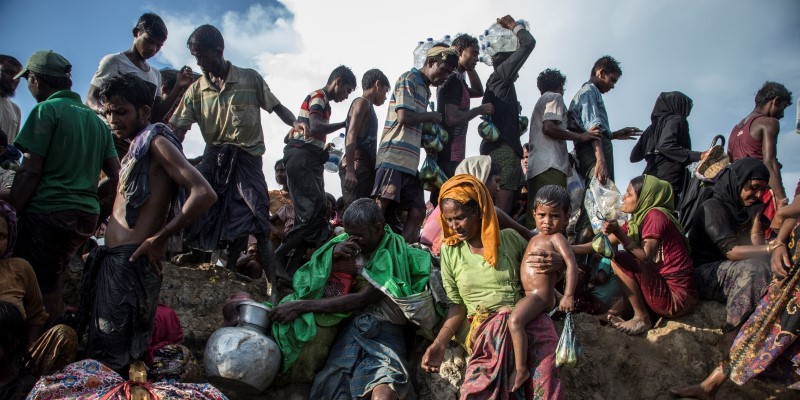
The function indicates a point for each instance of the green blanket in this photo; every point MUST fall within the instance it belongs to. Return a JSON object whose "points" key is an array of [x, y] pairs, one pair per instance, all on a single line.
{"points": [[400, 270]]}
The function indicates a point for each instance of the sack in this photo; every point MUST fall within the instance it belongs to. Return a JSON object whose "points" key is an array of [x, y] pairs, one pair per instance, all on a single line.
{"points": [[603, 203], [568, 347], [487, 130], [602, 246]]}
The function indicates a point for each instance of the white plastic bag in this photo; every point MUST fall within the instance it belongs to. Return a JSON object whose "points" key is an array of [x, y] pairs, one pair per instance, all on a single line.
{"points": [[603, 203], [568, 348]]}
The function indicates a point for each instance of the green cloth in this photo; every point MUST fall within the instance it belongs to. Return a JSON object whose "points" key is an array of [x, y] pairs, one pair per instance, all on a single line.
{"points": [[399, 270], [469, 280], [74, 142], [657, 194]]}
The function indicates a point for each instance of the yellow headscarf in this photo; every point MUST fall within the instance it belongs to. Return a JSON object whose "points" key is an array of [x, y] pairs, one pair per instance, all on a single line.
{"points": [[464, 188]]}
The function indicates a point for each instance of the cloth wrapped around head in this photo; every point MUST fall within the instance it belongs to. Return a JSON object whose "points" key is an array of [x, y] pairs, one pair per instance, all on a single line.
{"points": [[656, 193], [464, 188], [729, 185], [477, 166], [441, 53], [10, 215]]}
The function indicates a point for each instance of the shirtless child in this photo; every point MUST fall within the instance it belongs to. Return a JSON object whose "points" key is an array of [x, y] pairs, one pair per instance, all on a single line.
{"points": [[122, 279], [551, 213]]}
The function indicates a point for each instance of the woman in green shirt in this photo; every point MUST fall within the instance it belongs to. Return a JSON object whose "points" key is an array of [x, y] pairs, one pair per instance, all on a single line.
{"points": [[480, 273]]}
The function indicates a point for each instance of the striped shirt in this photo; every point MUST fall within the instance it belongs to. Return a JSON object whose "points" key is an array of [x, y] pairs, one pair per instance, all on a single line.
{"points": [[315, 103], [229, 115], [400, 145]]}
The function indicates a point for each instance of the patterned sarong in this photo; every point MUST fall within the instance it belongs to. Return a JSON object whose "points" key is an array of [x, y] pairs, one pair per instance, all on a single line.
{"points": [[489, 369]]}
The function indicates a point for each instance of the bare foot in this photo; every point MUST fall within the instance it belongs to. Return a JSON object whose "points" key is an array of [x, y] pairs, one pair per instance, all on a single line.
{"points": [[520, 377], [692, 392], [634, 326]]}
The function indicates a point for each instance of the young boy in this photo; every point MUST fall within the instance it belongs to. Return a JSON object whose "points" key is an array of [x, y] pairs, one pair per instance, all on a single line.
{"points": [[551, 213], [122, 279]]}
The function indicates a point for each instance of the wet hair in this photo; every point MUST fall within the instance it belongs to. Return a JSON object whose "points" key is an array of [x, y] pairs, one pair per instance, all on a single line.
{"points": [[638, 184], [6, 59], [54, 82], [128, 87], [153, 25], [498, 58], [464, 41], [206, 37], [608, 64], [14, 335], [281, 162], [471, 207], [344, 74], [372, 76], [168, 78], [495, 169], [552, 196], [771, 90], [363, 212], [550, 80], [442, 57]]}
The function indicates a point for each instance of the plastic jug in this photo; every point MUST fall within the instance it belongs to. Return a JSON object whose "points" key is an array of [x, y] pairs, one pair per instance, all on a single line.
{"points": [[335, 154]]}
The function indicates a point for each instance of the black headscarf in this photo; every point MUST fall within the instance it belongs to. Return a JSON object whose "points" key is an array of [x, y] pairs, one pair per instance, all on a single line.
{"points": [[728, 187], [669, 105]]}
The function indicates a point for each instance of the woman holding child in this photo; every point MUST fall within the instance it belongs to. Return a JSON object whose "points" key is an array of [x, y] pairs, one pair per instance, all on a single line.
{"points": [[655, 270], [480, 272]]}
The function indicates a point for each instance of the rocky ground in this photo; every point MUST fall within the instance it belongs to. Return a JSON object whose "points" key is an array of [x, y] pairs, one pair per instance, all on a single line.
{"points": [[612, 365]]}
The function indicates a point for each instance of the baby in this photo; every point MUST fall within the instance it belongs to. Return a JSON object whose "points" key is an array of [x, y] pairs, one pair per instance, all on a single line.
{"points": [[551, 213]]}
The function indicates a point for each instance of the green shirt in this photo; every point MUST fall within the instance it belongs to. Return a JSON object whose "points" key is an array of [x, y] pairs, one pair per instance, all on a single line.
{"points": [[469, 280], [74, 142]]}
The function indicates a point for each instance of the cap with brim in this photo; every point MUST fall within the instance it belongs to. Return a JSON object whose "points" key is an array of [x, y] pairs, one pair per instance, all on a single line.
{"points": [[47, 63]]}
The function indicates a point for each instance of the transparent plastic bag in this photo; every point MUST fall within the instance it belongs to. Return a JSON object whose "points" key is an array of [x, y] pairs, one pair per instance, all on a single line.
{"points": [[487, 130], [431, 175], [568, 348], [603, 203], [602, 246]]}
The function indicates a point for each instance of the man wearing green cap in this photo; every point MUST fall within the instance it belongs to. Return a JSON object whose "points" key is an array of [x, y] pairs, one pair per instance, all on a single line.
{"points": [[55, 191]]}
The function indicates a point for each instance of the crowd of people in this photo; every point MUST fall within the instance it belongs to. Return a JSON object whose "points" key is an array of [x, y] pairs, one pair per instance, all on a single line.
{"points": [[480, 265]]}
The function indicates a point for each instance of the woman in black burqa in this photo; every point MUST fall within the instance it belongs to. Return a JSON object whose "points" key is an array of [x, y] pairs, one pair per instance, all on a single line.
{"points": [[666, 145]]}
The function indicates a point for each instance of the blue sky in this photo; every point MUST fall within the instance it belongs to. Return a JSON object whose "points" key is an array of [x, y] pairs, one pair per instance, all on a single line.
{"points": [[718, 52]]}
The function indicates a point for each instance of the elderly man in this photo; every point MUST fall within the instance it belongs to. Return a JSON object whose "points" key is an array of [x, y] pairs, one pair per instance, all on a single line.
{"points": [[53, 191], [367, 358], [225, 103]]}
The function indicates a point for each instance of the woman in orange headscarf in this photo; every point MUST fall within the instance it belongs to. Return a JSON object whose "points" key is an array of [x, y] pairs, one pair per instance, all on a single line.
{"points": [[480, 273]]}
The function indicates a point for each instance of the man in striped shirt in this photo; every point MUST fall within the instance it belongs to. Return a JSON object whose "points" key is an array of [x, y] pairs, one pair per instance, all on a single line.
{"points": [[304, 156], [397, 186]]}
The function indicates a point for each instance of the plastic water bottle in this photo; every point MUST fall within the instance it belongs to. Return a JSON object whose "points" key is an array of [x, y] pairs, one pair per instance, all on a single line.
{"points": [[419, 55], [335, 154], [447, 40], [485, 57]]}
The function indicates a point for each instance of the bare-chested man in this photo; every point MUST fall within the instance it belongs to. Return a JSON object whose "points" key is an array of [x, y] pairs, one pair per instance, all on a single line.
{"points": [[122, 279]]}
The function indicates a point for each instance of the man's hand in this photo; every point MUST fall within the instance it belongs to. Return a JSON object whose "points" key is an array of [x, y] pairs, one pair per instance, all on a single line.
{"points": [[592, 134], [154, 249], [780, 262], [287, 312], [184, 78], [486, 109], [433, 357], [600, 172], [434, 117], [348, 249], [545, 261], [302, 128], [350, 180], [629, 133], [507, 22]]}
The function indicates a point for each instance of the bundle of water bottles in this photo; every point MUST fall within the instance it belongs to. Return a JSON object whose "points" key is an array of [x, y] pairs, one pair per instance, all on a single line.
{"points": [[497, 39], [421, 51]]}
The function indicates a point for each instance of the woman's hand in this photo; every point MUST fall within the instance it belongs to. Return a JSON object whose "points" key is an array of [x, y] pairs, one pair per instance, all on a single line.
{"points": [[612, 228], [545, 261], [780, 262], [433, 357]]}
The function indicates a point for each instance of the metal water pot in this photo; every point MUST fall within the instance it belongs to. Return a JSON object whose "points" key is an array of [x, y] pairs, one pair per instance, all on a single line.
{"points": [[243, 358]]}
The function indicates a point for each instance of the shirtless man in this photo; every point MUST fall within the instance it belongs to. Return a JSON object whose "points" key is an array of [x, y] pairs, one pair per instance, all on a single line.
{"points": [[756, 136], [127, 270], [551, 213]]}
